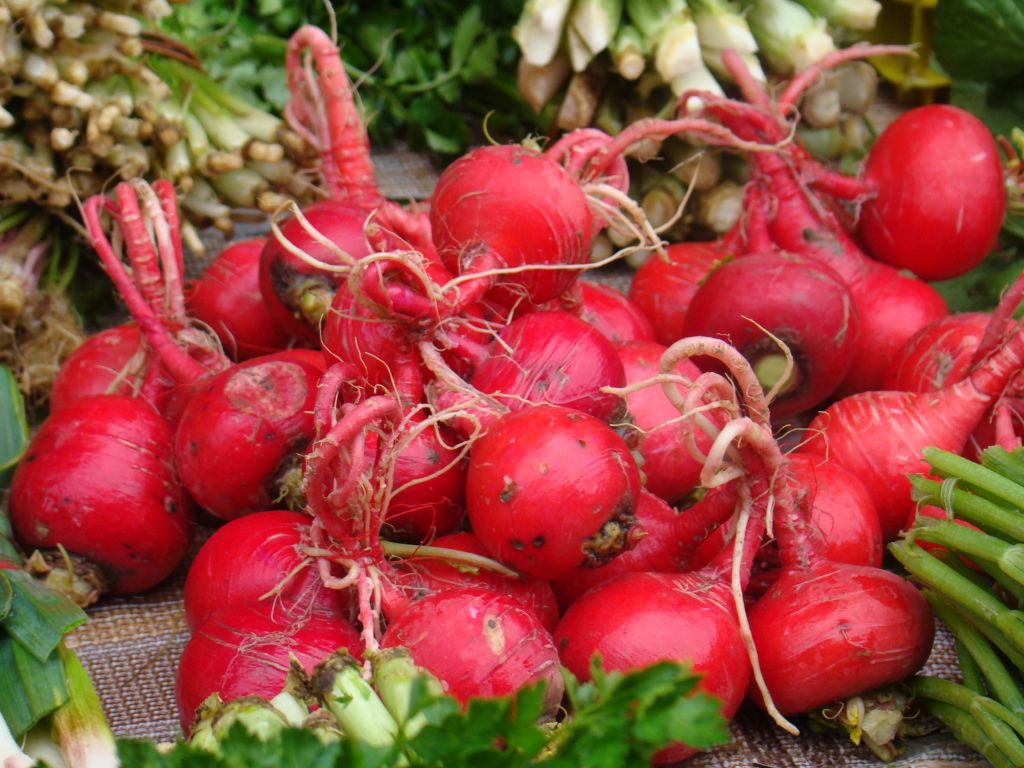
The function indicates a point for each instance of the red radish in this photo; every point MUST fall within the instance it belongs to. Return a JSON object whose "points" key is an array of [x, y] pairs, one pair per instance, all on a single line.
{"points": [[479, 643], [227, 298], [244, 650], [827, 631], [260, 557], [669, 539], [664, 286], [669, 470], [413, 578], [939, 354], [552, 357], [242, 432], [938, 195], [543, 458], [804, 304], [879, 436], [98, 480], [613, 314], [295, 281], [108, 362]]}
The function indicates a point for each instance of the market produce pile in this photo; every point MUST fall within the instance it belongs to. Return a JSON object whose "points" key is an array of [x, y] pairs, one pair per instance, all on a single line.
{"points": [[470, 507]]}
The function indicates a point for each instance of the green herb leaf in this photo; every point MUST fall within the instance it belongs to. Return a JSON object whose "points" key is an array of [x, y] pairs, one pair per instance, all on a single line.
{"points": [[38, 617], [980, 39], [31, 688], [13, 426]]}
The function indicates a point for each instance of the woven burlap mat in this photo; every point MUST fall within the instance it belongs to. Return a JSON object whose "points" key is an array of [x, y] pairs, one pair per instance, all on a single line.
{"points": [[131, 646]]}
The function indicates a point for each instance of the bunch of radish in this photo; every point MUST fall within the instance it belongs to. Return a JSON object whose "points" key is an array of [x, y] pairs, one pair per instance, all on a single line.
{"points": [[417, 423]]}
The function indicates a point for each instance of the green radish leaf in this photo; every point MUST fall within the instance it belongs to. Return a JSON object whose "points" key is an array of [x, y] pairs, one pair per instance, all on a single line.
{"points": [[38, 617], [6, 599], [465, 35], [980, 39], [13, 426], [31, 688]]}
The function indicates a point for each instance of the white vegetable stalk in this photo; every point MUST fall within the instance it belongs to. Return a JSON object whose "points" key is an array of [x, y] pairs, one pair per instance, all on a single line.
{"points": [[628, 52], [539, 29], [722, 26], [850, 14], [11, 755], [652, 17], [591, 28], [788, 35], [679, 60]]}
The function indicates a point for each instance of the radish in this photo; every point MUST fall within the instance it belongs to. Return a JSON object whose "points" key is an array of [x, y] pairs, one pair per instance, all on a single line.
{"points": [[227, 298], [827, 631], [479, 643], [613, 314], [669, 469], [260, 557], [552, 357], [412, 578], [939, 354], [879, 436], [669, 539], [98, 480], [938, 196], [547, 457], [800, 303], [244, 650], [108, 362], [664, 286]]}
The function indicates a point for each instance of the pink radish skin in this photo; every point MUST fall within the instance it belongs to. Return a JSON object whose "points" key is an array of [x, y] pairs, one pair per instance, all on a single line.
{"points": [[879, 436], [98, 479], [616, 317], [411, 579], [547, 457], [479, 644], [96, 367], [477, 216], [242, 430], [939, 196], [552, 357], [258, 560], [244, 650], [669, 539], [227, 298], [297, 294], [664, 286], [668, 468], [801, 302]]}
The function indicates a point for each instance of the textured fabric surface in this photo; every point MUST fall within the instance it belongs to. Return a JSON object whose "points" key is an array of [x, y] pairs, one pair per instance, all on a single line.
{"points": [[131, 646]]}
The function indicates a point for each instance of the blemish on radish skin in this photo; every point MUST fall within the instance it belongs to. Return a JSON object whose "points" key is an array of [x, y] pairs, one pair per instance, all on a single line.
{"points": [[494, 635], [507, 491], [517, 545]]}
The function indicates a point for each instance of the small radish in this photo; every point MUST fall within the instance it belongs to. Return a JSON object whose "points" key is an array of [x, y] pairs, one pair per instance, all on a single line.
{"points": [[244, 650], [800, 302], [547, 457], [938, 196], [613, 314], [664, 286], [109, 362], [939, 354], [227, 298], [260, 557], [98, 479], [479, 643]]}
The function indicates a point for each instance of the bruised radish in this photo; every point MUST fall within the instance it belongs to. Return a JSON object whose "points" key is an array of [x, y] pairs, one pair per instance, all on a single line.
{"points": [[669, 539], [669, 470], [479, 643], [501, 207], [413, 578], [799, 301], [613, 314], [98, 480], [552, 357], [260, 557], [245, 650], [664, 286], [544, 458], [938, 195], [107, 363], [241, 434], [939, 354], [227, 298], [298, 294]]}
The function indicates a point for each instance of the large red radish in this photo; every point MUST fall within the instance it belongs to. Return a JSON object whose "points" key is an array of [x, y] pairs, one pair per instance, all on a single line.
{"points": [[613, 313], [109, 362]]}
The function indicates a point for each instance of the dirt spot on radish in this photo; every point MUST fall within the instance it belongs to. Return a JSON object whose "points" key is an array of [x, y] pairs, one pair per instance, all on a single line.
{"points": [[494, 635], [270, 391], [615, 536]]}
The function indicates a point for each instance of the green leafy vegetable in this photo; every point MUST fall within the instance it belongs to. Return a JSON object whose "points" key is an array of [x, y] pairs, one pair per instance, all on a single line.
{"points": [[13, 429], [980, 39], [37, 617]]}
